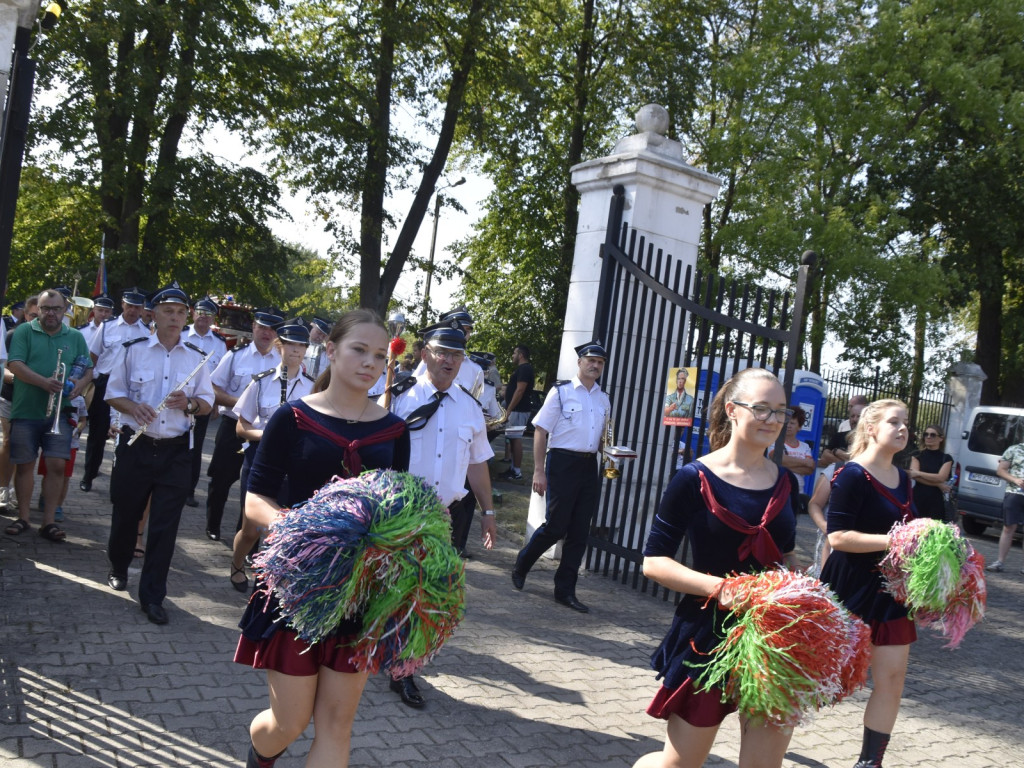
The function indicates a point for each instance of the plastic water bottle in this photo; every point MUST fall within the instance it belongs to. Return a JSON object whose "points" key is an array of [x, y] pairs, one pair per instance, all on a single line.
{"points": [[77, 369]]}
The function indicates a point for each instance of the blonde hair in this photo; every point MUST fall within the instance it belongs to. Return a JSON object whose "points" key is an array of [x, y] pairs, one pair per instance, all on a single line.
{"points": [[869, 417], [719, 424]]}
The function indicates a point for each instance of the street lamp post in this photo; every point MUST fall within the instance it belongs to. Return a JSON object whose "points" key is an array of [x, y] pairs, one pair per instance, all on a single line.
{"points": [[433, 244]]}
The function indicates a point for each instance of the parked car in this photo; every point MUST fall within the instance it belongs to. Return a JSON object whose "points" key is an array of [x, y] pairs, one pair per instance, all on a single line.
{"points": [[990, 431]]}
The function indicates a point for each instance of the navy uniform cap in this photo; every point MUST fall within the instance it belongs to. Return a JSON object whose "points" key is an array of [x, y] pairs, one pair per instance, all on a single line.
{"points": [[268, 316], [18, 305], [64, 291], [134, 296], [444, 336], [171, 294], [103, 301], [490, 357], [458, 315], [323, 324], [592, 349], [480, 360], [206, 304], [295, 331]]}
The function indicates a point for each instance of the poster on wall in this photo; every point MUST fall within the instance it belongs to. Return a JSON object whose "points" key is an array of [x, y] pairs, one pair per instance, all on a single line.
{"points": [[679, 390]]}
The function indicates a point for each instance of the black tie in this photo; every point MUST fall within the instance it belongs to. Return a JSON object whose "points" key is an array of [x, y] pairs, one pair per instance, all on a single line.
{"points": [[418, 419]]}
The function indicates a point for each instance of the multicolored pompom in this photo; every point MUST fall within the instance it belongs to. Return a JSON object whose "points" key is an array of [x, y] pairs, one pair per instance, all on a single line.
{"points": [[791, 647], [938, 575], [375, 547]]}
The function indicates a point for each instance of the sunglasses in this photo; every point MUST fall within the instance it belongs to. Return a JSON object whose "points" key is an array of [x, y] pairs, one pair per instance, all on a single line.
{"points": [[932, 434]]}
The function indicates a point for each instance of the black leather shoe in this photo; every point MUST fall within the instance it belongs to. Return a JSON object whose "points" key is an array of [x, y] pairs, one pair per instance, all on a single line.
{"points": [[155, 613], [518, 579], [570, 601], [406, 688], [212, 535], [191, 502], [117, 583], [85, 485]]}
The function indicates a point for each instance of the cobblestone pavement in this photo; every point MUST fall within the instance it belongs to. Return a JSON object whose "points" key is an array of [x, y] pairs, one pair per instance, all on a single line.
{"points": [[86, 681]]}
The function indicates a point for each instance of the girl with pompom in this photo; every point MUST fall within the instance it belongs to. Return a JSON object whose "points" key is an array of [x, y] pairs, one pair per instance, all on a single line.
{"points": [[738, 509], [869, 495], [337, 430]]}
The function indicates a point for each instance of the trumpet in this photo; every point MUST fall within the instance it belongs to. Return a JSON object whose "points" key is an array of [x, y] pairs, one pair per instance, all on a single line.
{"points": [[163, 403], [57, 398], [614, 455]]}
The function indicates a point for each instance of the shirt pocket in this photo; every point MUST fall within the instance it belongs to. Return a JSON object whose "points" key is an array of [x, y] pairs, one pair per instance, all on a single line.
{"points": [[465, 445], [572, 409], [140, 384]]}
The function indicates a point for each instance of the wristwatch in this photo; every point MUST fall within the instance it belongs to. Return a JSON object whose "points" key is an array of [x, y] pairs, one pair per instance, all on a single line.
{"points": [[191, 407], [487, 513]]}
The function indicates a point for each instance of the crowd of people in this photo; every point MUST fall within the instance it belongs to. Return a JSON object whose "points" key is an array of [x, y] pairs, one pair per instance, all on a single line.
{"points": [[304, 402]]}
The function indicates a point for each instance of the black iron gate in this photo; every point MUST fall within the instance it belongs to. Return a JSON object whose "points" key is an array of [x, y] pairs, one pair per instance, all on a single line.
{"points": [[655, 315]]}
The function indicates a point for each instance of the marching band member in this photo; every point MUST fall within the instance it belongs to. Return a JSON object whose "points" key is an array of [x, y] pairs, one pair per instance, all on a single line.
{"points": [[316, 355], [149, 384], [229, 379], [573, 415], [267, 392], [200, 333], [105, 344]]}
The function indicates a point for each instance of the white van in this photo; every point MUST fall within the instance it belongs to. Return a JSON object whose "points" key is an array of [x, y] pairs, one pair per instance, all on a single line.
{"points": [[990, 431]]}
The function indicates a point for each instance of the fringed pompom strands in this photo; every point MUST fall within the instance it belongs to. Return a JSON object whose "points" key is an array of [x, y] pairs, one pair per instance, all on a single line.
{"points": [[938, 575], [377, 547], [790, 648]]}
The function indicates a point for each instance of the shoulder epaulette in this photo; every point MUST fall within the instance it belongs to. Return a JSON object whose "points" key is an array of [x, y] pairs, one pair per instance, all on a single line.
{"points": [[237, 348], [82, 326], [200, 350], [471, 395], [560, 382], [110, 320], [263, 374], [220, 336], [403, 385], [136, 340]]}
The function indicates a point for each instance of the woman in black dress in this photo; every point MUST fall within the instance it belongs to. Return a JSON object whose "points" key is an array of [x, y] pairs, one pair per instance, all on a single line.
{"points": [[869, 495], [307, 443], [930, 470]]}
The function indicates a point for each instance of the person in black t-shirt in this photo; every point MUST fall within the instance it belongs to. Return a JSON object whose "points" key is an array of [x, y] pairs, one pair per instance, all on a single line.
{"points": [[517, 407]]}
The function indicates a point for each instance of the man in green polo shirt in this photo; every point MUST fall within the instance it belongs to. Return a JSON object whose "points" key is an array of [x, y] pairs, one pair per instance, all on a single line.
{"points": [[32, 359]]}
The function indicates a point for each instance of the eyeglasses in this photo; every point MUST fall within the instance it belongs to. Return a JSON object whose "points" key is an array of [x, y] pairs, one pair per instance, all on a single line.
{"points": [[763, 412], [50, 309], [447, 354], [932, 434]]}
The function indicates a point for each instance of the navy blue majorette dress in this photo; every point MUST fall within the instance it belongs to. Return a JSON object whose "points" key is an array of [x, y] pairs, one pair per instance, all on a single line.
{"points": [[309, 448], [731, 530], [860, 503]]}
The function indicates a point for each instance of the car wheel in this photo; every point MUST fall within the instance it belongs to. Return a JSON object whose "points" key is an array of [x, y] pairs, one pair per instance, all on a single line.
{"points": [[972, 526]]}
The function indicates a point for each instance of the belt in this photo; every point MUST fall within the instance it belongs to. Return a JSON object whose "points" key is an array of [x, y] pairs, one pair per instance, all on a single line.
{"points": [[579, 454], [181, 439]]}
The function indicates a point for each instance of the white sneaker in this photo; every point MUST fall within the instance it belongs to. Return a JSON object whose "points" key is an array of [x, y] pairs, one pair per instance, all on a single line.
{"points": [[996, 567], [5, 497]]}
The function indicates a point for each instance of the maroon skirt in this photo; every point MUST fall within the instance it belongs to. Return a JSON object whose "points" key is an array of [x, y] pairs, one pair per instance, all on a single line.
{"points": [[284, 652], [701, 709]]}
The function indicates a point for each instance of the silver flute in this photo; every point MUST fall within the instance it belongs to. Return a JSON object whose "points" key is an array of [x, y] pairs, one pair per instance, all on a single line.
{"points": [[163, 403]]}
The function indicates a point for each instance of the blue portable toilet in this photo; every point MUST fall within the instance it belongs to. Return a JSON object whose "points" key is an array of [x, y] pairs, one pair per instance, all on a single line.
{"points": [[810, 392], [702, 404]]}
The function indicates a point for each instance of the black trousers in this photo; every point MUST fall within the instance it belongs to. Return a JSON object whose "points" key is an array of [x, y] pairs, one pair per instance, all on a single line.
{"points": [[462, 518], [99, 425], [574, 490], [224, 470], [157, 472], [199, 432]]}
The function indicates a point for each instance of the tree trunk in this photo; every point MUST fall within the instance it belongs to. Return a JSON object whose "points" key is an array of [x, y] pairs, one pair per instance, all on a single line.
{"points": [[989, 341]]}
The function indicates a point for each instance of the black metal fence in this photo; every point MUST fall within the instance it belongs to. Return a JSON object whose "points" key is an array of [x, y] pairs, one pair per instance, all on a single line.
{"points": [[656, 314]]}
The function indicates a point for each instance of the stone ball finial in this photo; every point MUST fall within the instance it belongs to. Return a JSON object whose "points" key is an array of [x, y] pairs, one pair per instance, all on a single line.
{"points": [[652, 118]]}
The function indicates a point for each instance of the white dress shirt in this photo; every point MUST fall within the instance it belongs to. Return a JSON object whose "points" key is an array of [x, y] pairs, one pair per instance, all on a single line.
{"points": [[108, 339], [453, 438], [146, 372], [263, 396], [574, 416], [212, 344], [88, 331], [237, 368]]}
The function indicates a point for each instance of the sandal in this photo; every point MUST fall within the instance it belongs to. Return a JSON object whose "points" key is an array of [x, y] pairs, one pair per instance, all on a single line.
{"points": [[17, 528], [53, 532], [243, 585]]}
